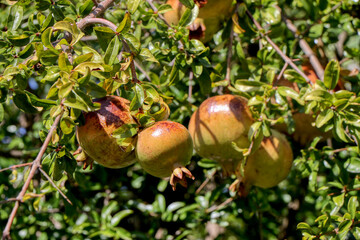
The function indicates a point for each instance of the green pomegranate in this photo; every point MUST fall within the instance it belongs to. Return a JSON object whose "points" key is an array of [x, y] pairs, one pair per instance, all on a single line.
{"points": [[269, 165], [95, 136], [164, 149], [216, 124]]}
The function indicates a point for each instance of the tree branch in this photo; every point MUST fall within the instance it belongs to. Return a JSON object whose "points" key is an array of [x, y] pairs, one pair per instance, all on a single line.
{"points": [[100, 9], [304, 46], [54, 185], [35, 165], [277, 49], [16, 166]]}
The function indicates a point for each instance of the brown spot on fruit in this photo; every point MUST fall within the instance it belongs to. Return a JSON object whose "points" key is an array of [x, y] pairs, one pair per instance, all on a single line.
{"points": [[95, 137]]}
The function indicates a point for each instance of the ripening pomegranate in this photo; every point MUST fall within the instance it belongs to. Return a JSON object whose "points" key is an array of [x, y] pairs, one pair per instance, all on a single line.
{"points": [[164, 149], [216, 124], [269, 165], [212, 13], [95, 137]]}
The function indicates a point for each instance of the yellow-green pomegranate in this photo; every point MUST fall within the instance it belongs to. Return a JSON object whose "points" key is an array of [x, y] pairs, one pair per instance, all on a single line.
{"points": [[212, 13], [216, 124], [269, 165], [164, 149], [95, 136]]}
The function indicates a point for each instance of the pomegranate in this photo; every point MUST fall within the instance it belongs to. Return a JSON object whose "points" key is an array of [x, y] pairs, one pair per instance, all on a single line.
{"points": [[209, 21], [164, 149], [216, 124], [305, 132], [267, 166], [95, 137]]}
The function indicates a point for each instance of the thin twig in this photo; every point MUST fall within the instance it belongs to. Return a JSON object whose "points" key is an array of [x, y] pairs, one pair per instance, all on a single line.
{"points": [[215, 208], [304, 46], [54, 185], [102, 21], [230, 45], [138, 66], [16, 166], [36, 164], [155, 10], [205, 182], [9, 200], [277, 49], [281, 73], [191, 76]]}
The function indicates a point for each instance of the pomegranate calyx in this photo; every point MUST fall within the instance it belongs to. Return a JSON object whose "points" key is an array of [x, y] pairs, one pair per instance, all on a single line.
{"points": [[84, 158], [179, 176]]}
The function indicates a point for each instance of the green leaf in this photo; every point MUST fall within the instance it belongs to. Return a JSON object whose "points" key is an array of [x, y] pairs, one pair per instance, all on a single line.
{"points": [[64, 63], [344, 226], [19, 40], [86, 8], [39, 102], [23, 102], [324, 117], [205, 82], [15, 17], [112, 51], [146, 55], [318, 95], [249, 86], [294, 76], [83, 58], [352, 165], [332, 74], [72, 28], [125, 24], [289, 92], [104, 35], [3, 94], [67, 125], [49, 21], [2, 113], [352, 204], [132, 5], [139, 97], [316, 30], [188, 3], [85, 66], [132, 41], [339, 130], [160, 200], [189, 16], [80, 100], [119, 216], [339, 200]]}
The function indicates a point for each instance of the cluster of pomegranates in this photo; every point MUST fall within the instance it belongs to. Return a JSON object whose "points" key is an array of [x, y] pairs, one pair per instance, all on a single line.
{"points": [[164, 148]]}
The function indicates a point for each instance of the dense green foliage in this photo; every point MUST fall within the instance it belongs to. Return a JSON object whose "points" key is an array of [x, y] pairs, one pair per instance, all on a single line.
{"points": [[45, 64]]}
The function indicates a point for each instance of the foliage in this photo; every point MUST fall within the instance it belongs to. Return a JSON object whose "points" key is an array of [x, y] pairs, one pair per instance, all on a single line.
{"points": [[47, 64]]}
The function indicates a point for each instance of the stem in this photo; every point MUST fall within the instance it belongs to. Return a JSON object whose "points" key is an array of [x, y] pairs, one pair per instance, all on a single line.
{"points": [[191, 76], [16, 166], [205, 182], [155, 10], [215, 208], [304, 46], [56, 187], [281, 73], [9, 200], [277, 49], [36, 164]]}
